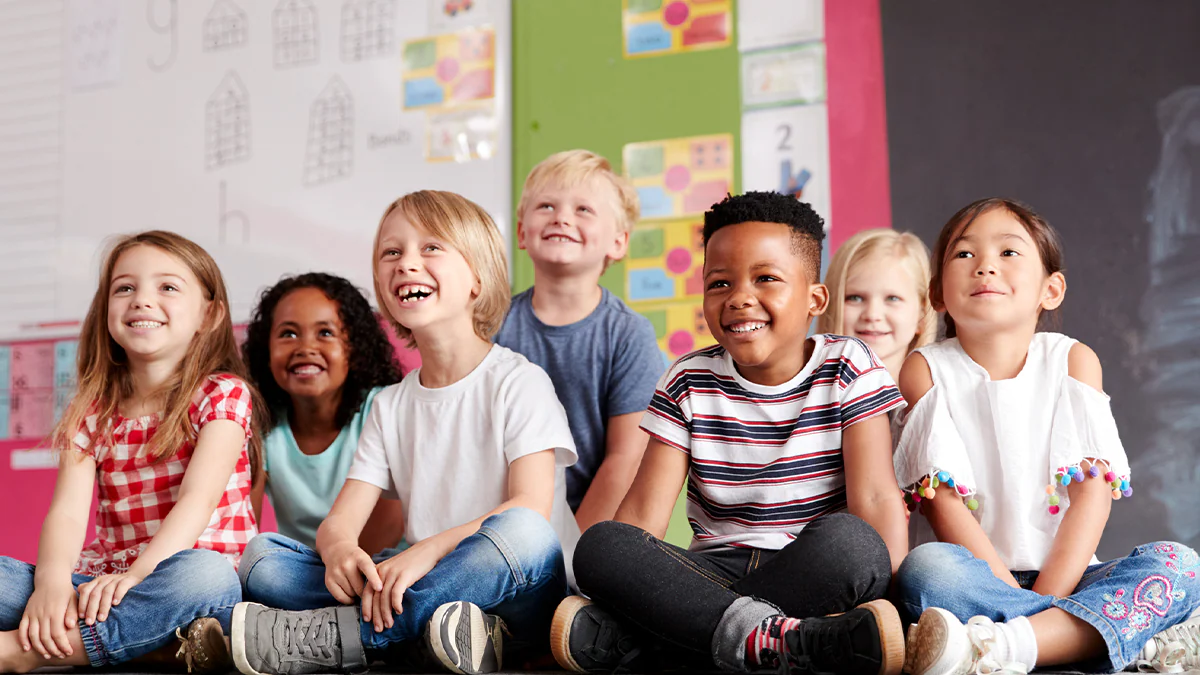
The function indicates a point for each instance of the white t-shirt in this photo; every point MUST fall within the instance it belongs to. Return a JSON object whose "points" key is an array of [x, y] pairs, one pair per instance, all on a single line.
{"points": [[444, 453], [1003, 442]]}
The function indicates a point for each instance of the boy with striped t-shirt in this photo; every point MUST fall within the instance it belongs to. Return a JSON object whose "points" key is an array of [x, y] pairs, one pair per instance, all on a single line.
{"points": [[778, 437]]}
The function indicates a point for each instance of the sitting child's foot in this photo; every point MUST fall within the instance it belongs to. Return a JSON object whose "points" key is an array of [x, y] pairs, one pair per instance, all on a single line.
{"points": [[939, 644], [868, 639], [466, 640], [204, 648], [1174, 650], [280, 642], [587, 639]]}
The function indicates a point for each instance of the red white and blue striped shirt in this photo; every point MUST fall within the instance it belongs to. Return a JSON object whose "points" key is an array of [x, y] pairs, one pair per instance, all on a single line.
{"points": [[766, 461]]}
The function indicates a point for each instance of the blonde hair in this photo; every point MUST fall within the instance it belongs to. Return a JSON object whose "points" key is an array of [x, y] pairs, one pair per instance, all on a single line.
{"points": [[904, 246], [471, 231], [572, 167], [104, 379]]}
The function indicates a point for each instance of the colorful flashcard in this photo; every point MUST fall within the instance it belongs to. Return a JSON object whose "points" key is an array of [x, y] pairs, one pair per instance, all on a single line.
{"points": [[679, 326], [32, 401], [449, 15], [5, 389], [771, 23], [665, 261], [450, 69], [461, 135], [787, 150], [680, 176], [64, 375], [784, 76], [658, 27]]}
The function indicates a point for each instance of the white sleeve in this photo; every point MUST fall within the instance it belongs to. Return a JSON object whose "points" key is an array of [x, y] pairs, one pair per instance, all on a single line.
{"points": [[930, 451], [370, 463], [534, 419], [1084, 428]]}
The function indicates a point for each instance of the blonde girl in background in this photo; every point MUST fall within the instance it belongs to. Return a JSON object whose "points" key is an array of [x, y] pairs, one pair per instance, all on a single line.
{"points": [[162, 423], [879, 293]]}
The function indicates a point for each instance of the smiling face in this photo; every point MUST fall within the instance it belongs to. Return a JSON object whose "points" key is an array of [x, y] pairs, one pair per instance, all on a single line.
{"points": [[426, 283], [882, 306], [309, 350], [155, 305], [575, 229], [759, 299], [993, 277]]}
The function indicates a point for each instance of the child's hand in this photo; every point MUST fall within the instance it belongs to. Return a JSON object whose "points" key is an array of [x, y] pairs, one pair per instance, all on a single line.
{"points": [[52, 610], [398, 573], [99, 595], [345, 568]]}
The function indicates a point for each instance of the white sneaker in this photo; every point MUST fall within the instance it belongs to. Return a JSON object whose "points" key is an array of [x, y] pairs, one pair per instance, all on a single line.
{"points": [[1174, 650], [938, 644]]}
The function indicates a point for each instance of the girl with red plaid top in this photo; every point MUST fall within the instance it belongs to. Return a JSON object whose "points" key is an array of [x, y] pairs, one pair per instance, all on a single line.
{"points": [[163, 423]]}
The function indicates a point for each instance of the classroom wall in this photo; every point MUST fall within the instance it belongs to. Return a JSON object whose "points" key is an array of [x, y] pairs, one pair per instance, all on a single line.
{"points": [[1089, 112]]}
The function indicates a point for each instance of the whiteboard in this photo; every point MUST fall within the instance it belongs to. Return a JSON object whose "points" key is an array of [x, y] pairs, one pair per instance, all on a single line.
{"points": [[270, 132]]}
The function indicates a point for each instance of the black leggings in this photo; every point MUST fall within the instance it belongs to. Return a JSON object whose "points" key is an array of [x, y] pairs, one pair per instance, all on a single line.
{"points": [[672, 595]]}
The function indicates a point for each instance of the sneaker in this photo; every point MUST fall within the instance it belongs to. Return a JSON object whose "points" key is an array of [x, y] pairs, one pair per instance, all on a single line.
{"points": [[1174, 650], [466, 640], [939, 644], [868, 639], [281, 642], [203, 647], [587, 639]]}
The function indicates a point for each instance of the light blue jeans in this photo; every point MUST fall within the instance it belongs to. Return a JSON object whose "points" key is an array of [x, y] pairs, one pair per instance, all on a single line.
{"points": [[1128, 599], [189, 585], [511, 567]]}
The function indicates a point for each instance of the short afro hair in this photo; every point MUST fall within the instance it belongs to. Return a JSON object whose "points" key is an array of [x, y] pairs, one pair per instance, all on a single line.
{"points": [[372, 359], [808, 228]]}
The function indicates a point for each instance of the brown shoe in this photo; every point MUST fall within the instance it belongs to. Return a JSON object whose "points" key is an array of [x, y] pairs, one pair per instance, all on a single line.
{"points": [[203, 647]]}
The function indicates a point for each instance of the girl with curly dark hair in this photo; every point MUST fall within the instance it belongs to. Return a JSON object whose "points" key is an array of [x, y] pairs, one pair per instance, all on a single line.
{"points": [[319, 355]]}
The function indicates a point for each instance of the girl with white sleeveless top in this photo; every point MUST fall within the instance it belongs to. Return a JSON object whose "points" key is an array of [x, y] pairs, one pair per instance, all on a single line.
{"points": [[1011, 451]]}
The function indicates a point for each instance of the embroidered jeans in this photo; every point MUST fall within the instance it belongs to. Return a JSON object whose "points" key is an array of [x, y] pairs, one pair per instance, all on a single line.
{"points": [[1127, 600]]}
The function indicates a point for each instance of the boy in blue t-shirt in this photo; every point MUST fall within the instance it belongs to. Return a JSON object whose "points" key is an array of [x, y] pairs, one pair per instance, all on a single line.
{"points": [[574, 218]]}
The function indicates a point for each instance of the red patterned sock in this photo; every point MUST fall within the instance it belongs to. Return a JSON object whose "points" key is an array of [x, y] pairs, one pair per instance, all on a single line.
{"points": [[768, 636]]}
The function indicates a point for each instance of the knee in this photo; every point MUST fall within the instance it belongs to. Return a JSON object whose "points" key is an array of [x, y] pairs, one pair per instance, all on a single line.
{"points": [[202, 574], [848, 537], [929, 566], [523, 532], [260, 550], [594, 554], [16, 585], [1174, 556]]}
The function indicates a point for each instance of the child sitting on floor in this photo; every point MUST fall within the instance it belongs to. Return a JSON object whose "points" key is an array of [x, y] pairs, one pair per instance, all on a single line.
{"points": [[776, 436]]}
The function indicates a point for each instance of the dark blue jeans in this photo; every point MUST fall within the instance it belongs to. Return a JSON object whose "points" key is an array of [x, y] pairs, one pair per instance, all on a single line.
{"points": [[189, 585], [512, 567], [1128, 599]]}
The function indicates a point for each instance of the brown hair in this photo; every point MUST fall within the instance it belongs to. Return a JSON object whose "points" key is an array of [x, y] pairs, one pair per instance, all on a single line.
{"points": [[868, 244], [104, 379], [1045, 237], [471, 231]]}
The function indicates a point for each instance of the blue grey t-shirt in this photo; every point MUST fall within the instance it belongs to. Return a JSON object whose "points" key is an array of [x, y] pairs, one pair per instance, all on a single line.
{"points": [[604, 365]]}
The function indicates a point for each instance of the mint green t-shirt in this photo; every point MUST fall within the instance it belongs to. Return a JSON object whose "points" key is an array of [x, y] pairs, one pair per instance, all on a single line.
{"points": [[302, 487]]}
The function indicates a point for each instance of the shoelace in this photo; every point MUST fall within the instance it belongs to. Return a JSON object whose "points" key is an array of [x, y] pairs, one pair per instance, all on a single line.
{"points": [[829, 638], [608, 641], [185, 649], [310, 637], [1177, 648], [982, 633]]}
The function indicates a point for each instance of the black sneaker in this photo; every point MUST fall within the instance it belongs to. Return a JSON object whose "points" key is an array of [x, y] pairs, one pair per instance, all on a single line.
{"points": [[587, 639], [280, 642], [464, 639], [866, 640]]}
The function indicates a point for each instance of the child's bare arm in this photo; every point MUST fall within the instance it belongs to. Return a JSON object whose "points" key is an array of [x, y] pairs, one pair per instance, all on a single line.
{"points": [[656, 488], [952, 522], [624, 446], [1091, 502], [871, 490], [256, 495], [384, 528], [52, 610], [218, 448], [347, 566]]}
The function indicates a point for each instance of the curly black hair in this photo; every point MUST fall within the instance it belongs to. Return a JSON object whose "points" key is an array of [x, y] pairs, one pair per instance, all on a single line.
{"points": [[808, 228], [372, 357]]}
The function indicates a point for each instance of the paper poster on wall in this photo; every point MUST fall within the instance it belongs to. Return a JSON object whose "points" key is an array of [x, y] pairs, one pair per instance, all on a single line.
{"points": [[787, 150], [93, 43], [679, 326], [461, 135], [5, 389], [665, 261], [680, 176], [771, 23], [449, 70], [660, 27], [31, 410], [451, 15], [784, 76]]}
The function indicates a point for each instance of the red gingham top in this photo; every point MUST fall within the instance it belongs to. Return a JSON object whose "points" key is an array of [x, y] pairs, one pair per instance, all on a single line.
{"points": [[137, 492]]}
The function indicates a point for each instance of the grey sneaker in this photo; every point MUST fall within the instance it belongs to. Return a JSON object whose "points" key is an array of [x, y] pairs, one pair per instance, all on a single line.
{"points": [[280, 642], [466, 640]]}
